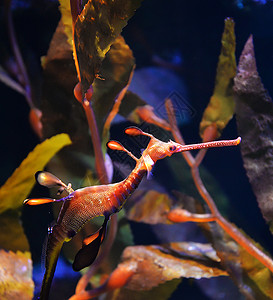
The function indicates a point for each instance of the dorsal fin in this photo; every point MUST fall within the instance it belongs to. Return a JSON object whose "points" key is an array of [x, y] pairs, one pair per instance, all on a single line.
{"points": [[114, 145]]}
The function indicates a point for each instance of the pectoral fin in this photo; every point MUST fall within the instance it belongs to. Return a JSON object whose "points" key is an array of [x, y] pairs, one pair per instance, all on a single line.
{"points": [[91, 245]]}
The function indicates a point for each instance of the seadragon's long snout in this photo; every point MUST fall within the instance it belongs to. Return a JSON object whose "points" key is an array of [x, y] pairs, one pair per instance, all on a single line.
{"points": [[222, 143]]}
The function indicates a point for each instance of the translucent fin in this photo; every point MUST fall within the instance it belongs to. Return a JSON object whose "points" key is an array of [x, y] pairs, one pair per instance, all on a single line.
{"points": [[49, 180]]}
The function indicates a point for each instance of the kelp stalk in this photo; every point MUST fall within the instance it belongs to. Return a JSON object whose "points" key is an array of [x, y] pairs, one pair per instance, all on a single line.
{"points": [[219, 219]]}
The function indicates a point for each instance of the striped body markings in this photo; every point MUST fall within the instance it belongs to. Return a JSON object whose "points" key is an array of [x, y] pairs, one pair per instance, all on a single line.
{"points": [[82, 205]]}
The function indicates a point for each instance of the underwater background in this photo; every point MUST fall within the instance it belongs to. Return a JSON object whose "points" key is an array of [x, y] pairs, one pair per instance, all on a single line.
{"points": [[176, 45]]}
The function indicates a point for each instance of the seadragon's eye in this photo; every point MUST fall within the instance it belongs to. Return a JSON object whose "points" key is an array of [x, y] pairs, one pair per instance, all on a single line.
{"points": [[172, 148]]}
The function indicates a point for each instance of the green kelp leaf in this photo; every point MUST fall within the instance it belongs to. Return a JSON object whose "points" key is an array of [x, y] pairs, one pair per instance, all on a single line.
{"points": [[254, 115], [115, 73], [156, 265], [66, 19], [151, 209], [96, 28], [12, 236], [16, 276], [19, 185], [221, 106]]}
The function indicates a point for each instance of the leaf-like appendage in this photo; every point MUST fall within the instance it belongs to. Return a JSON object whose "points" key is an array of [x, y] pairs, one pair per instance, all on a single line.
{"points": [[221, 106], [157, 264], [96, 28], [19, 185]]}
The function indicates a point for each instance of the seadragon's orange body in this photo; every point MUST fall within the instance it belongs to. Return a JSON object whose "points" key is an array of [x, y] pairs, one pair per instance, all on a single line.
{"points": [[82, 205]]}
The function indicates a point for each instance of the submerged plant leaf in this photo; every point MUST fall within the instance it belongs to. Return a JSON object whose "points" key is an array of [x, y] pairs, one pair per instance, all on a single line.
{"points": [[161, 292], [19, 185], [12, 236], [195, 250], [115, 72], [259, 276], [151, 209], [253, 279], [221, 106], [96, 28], [129, 103], [155, 265], [254, 115], [66, 20], [16, 276]]}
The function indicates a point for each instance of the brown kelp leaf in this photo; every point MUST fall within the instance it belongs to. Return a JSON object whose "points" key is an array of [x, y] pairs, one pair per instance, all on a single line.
{"points": [[96, 28], [221, 106], [19, 185], [259, 276], [151, 209], [254, 115], [129, 103], [195, 250], [160, 292], [253, 279], [12, 236], [61, 112], [16, 276], [115, 73], [66, 19], [146, 114], [154, 265], [59, 49]]}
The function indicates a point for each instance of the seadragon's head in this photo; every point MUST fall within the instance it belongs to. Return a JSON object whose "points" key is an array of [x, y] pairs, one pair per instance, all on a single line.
{"points": [[157, 149]]}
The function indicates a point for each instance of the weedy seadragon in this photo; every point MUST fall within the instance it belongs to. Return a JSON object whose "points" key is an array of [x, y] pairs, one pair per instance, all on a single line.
{"points": [[81, 205]]}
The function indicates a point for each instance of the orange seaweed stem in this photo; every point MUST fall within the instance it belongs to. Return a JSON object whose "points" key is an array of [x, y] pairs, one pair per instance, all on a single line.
{"points": [[179, 215], [119, 277], [99, 161], [116, 105], [221, 221], [228, 227]]}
